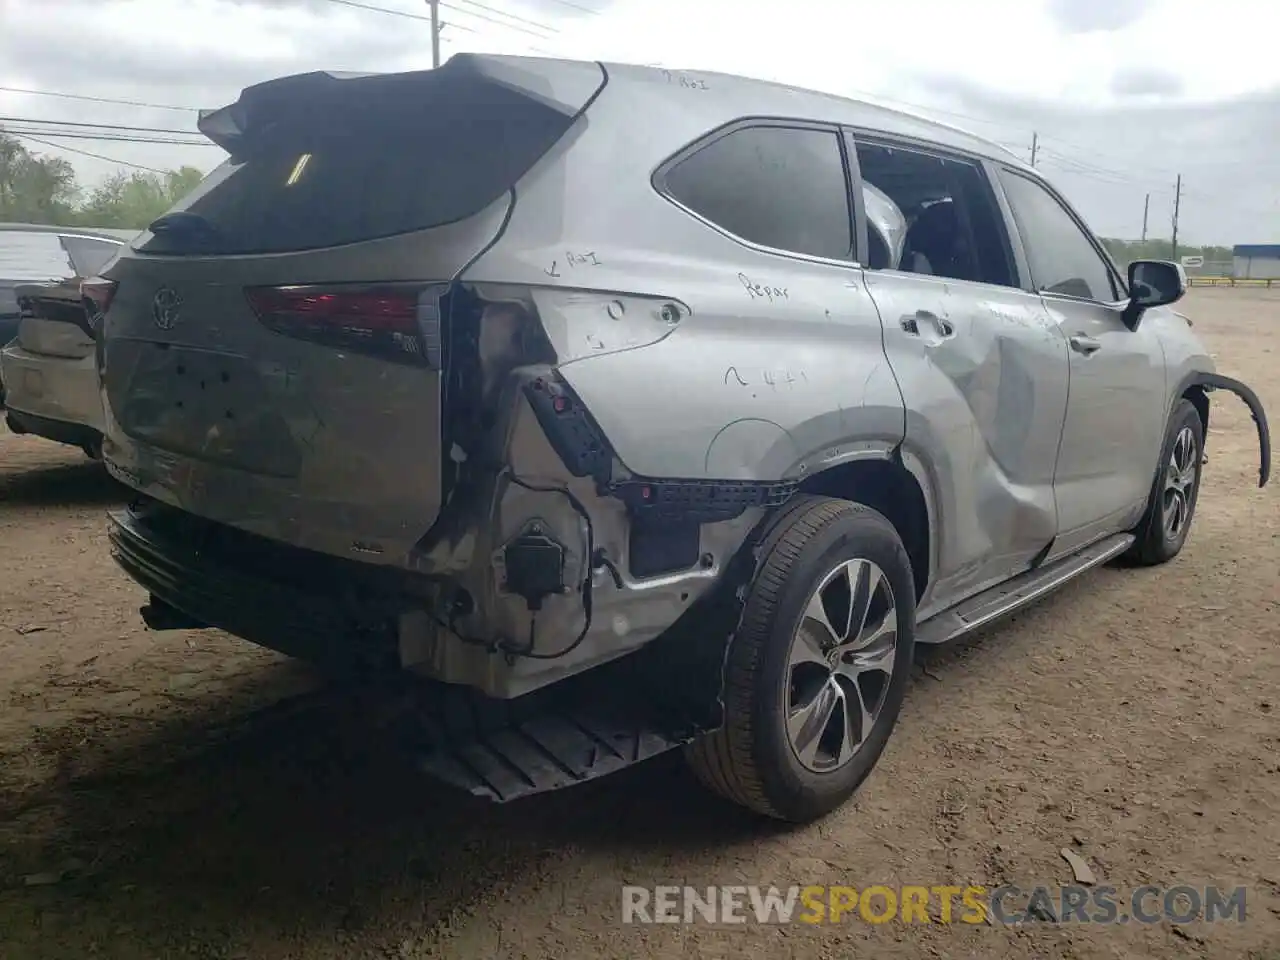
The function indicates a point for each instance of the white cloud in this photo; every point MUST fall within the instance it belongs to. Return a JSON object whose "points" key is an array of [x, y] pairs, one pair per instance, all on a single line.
{"points": [[846, 47]]}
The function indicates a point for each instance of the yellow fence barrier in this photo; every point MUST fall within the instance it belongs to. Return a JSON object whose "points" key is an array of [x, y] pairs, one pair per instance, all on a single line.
{"points": [[1230, 282]]}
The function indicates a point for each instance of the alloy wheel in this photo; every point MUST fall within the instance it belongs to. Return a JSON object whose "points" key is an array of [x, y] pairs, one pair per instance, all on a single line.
{"points": [[1180, 483], [840, 664]]}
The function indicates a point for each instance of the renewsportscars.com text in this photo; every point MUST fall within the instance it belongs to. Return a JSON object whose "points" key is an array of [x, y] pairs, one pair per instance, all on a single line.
{"points": [[970, 904]]}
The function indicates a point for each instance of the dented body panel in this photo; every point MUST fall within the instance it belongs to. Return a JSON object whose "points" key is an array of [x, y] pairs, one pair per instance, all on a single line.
{"points": [[984, 376]]}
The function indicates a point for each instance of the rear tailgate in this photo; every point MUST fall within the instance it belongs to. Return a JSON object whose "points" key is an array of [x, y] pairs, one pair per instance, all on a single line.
{"points": [[27, 256], [56, 320], [271, 356]]}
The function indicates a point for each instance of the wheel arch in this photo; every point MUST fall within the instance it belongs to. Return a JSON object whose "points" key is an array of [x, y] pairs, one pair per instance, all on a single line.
{"points": [[1199, 398], [1196, 385], [887, 485]]}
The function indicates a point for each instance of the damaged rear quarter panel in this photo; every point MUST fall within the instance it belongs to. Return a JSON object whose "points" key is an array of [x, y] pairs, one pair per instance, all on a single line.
{"points": [[751, 388], [774, 367]]}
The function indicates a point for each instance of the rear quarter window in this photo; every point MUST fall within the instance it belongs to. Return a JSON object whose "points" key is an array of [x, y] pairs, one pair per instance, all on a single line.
{"points": [[776, 186]]}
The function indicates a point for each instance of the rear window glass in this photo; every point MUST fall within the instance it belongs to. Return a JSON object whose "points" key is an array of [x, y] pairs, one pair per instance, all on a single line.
{"points": [[88, 254], [364, 170]]}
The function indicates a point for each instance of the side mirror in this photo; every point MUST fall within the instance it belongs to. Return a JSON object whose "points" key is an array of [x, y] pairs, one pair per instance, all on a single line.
{"points": [[1153, 283]]}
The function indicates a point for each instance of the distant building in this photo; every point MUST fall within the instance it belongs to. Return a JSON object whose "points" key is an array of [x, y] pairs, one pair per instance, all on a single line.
{"points": [[1258, 261]]}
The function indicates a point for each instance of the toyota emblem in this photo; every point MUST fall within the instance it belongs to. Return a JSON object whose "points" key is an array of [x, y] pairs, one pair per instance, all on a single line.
{"points": [[166, 306]]}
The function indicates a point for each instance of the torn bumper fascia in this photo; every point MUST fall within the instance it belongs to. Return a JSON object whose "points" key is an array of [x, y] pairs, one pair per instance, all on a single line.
{"points": [[1216, 381], [466, 553]]}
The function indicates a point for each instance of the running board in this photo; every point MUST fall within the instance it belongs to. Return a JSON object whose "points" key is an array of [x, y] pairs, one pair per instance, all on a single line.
{"points": [[1014, 594]]}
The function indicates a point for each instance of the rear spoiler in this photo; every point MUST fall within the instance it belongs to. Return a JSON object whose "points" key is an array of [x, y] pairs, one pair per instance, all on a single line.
{"points": [[318, 97]]}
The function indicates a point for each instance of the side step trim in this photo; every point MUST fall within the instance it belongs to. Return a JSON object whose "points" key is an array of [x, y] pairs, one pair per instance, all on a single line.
{"points": [[1014, 594]]}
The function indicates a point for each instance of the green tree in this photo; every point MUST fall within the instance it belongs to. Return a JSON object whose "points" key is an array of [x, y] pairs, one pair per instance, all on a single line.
{"points": [[35, 189], [133, 200], [43, 189], [1216, 258]]}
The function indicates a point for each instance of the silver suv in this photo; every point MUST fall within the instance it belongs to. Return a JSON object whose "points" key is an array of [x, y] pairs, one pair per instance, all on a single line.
{"points": [[632, 409]]}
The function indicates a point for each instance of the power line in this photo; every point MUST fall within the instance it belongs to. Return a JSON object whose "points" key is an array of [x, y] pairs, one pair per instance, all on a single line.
{"points": [[577, 6], [111, 137], [502, 13], [98, 126], [80, 96], [542, 33], [86, 153], [396, 13], [1089, 172]]}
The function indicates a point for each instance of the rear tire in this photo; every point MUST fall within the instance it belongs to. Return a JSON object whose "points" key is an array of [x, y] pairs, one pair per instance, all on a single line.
{"points": [[816, 674], [1163, 530]]}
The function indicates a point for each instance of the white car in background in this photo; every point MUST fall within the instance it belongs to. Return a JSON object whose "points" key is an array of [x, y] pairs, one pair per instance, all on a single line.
{"points": [[48, 371]]}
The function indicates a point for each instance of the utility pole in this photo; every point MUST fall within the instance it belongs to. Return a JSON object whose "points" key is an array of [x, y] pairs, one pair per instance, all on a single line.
{"points": [[1146, 208], [1177, 203], [435, 32], [1035, 142]]}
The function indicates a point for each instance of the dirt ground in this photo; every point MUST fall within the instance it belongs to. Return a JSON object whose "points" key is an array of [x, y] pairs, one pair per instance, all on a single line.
{"points": [[187, 795]]}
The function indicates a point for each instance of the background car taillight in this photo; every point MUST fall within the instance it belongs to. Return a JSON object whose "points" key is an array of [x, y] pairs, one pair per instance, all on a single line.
{"points": [[98, 294], [396, 323]]}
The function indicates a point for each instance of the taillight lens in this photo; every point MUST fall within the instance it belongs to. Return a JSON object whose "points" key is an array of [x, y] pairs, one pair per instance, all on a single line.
{"points": [[98, 293], [392, 322]]}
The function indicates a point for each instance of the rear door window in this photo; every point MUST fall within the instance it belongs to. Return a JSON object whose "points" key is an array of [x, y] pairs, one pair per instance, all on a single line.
{"points": [[954, 227], [776, 186]]}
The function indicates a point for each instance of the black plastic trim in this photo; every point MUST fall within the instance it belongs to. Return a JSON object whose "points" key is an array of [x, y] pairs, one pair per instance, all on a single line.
{"points": [[575, 436], [1216, 381], [284, 598], [59, 431], [698, 501]]}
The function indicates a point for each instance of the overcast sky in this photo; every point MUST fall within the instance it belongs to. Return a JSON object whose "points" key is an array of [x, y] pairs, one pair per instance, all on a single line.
{"points": [[1124, 94]]}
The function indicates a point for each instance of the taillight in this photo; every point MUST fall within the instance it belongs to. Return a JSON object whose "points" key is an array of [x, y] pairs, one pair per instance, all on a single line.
{"points": [[398, 323], [99, 293]]}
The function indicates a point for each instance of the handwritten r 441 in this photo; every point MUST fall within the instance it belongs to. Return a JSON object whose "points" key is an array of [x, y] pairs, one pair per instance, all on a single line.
{"points": [[762, 291]]}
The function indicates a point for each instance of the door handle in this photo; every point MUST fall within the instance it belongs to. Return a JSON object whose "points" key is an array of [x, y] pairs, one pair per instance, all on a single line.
{"points": [[1082, 343], [911, 323]]}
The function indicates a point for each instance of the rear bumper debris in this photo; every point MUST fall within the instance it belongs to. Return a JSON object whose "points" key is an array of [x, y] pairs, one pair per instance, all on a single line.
{"points": [[587, 726]]}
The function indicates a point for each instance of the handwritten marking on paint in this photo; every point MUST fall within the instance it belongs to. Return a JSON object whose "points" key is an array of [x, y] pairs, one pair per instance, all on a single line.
{"points": [[553, 271], [688, 83], [770, 378], [762, 291], [582, 259]]}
